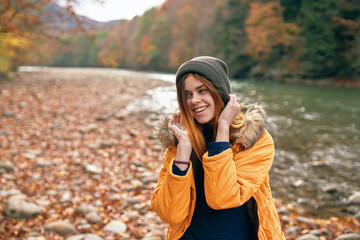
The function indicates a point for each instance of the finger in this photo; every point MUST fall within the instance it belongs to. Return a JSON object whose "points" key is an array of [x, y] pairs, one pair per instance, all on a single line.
{"points": [[172, 119]]}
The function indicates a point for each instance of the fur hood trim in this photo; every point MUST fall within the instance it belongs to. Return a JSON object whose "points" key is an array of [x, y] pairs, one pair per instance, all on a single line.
{"points": [[247, 135]]}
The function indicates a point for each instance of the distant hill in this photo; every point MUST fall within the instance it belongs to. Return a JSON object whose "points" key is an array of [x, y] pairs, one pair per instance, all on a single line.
{"points": [[57, 19]]}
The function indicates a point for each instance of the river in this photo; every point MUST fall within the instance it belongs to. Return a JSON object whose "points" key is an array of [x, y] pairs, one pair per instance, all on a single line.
{"points": [[316, 131]]}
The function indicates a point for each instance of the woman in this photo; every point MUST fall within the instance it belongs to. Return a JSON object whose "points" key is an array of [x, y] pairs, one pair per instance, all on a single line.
{"points": [[214, 183]]}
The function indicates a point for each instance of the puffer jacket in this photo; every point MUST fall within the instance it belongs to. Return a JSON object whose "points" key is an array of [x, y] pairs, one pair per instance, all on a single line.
{"points": [[234, 177]]}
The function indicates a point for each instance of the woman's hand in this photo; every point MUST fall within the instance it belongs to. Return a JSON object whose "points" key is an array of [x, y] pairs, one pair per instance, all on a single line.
{"points": [[184, 147], [226, 117], [177, 127]]}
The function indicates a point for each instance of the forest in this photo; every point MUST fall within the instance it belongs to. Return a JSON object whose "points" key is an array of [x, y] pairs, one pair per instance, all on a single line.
{"points": [[268, 39]]}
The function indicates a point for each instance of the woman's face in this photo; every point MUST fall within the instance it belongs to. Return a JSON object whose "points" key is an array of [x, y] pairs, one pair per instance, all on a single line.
{"points": [[199, 100]]}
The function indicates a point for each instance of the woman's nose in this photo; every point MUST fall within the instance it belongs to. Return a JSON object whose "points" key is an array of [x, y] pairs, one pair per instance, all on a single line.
{"points": [[195, 98]]}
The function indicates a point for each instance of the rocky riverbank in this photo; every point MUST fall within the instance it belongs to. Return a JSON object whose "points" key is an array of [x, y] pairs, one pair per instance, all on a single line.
{"points": [[75, 164]]}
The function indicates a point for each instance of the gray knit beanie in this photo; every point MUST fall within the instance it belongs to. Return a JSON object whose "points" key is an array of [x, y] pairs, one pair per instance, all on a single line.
{"points": [[214, 69]]}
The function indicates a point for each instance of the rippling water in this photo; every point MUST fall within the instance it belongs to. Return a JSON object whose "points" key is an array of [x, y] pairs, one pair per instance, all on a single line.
{"points": [[316, 132]]}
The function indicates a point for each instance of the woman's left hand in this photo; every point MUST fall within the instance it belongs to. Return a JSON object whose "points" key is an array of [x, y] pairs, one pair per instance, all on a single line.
{"points": [[230, 111]]}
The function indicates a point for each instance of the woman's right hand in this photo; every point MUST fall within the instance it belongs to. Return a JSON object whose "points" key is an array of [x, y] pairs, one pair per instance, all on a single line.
{"points": [[177, 127], [184, 147]]}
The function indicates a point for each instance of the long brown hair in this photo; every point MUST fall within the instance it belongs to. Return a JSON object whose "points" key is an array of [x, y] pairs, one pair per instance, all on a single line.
{"points": [[195, 129]]}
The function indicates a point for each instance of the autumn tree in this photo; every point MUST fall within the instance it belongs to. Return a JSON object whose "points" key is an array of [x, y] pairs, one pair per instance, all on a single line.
{"points": [[20, 27], [19, 22], [266, 30]]}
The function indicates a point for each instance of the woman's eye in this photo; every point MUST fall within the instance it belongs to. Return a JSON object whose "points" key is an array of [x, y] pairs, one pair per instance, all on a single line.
{"points": [[187, 95], [203, 90]]}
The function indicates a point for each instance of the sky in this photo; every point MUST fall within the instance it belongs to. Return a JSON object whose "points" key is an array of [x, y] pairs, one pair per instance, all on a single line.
{"points": [[115, 9]]}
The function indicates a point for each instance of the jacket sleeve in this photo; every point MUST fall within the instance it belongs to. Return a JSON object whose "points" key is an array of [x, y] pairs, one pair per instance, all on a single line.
{"points": [[172, 196], [230, 180]]}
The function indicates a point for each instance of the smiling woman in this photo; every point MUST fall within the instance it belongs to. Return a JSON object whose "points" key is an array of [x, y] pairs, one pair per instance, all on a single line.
{"points": [[214, 183], [107, 10]]}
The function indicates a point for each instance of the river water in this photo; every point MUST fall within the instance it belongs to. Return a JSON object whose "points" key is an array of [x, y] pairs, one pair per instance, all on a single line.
{"points": [[316, 131], [317, 138]]}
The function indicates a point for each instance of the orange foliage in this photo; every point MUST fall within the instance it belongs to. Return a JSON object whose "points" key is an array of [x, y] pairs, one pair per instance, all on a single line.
{"points": [[266, 29], [146, 46]]}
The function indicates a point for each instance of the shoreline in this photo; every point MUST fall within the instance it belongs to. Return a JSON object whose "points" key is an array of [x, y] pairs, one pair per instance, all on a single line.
{"points": [[67, 140]]}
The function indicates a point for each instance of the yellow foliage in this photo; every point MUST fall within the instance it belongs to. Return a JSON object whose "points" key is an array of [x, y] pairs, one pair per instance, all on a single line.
{"points": [[11, 48], [266, 29]]}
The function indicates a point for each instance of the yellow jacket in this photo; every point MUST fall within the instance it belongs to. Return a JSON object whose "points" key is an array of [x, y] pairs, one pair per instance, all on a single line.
{"points": [[231, 178]]}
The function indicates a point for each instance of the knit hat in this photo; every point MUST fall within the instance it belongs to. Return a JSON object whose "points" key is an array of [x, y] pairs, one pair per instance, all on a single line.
{"points": [[214, 69]]}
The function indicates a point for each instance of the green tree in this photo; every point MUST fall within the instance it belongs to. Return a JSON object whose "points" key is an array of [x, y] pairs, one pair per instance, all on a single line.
{"points": [[318, 31], [234, 38]]}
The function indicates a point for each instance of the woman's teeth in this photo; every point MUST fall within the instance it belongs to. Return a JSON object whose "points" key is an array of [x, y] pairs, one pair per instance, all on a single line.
{"points": [[200, 109]]}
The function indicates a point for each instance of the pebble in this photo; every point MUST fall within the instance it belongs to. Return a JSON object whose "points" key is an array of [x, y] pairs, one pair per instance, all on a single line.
{"points": [[6, 193], [349, 236], [157, 148], [62, 227], [332, 188], [308, 237], [18, 207], [115, 197], [88, 236], [355, 198], [92, 169], [7, 166], [320, 232], [42, 202], [307, 221], [115, 226], [8, 114], [93, 217], [85, 208], [357, 216], [44, 163], [66, 197], [137, 183]]}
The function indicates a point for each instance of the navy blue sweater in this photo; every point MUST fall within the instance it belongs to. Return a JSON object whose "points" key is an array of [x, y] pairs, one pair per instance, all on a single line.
{"points": [[207, 223]]}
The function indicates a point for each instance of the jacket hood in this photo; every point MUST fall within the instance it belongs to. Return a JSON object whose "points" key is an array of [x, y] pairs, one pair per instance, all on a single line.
{"points": [[254, 126]]}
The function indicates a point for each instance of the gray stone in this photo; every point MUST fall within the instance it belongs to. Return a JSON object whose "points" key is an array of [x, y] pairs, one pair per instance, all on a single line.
{"points": [[44, 163], [62, 227], [357, 216], [98, 203], [115, 197], [18, 207], [332, 188], [133, 133], [88, 236], [85, 208], [66, 197], [105, 144], [93, 217], [308, 237], [349, 236], [137, 184], [7, 166], [42, 202], [355, 198], [115, 226], [92, 169], [307, 221], [51, 192], [157, 148], [319, 232], [8, 114], [6, 193]]}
